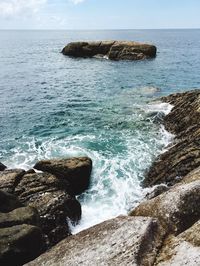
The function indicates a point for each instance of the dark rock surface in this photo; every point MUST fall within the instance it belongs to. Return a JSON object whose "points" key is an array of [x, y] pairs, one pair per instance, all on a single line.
{"points": [[9, 179], [120, 241], [74, 171], [114, 50], [184, 155], [49, 196], [8, 202], [20, 244], [2, 167]]}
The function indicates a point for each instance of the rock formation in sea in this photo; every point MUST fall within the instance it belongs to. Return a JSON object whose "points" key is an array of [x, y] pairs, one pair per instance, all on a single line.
{"points": [[113, 50], [164, 228], [36, 208]]}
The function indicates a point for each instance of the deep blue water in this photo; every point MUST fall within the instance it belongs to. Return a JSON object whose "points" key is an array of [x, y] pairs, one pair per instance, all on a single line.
{"points": [[55, 106]]}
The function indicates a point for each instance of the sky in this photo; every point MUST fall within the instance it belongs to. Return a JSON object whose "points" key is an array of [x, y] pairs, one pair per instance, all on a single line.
{"points": [[99, 14]]}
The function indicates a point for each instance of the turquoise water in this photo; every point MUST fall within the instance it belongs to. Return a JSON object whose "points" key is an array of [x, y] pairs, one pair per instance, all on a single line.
{"points": [[56, 106]]}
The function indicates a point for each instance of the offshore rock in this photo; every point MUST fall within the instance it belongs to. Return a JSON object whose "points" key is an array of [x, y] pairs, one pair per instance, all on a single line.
{"points": [[49, 196], [9, 179], [120, 241], [8, 202], [114, 50], [177, 209], [184, 249], [74, 171], [2, 167], [20, 244], [184, 156]]}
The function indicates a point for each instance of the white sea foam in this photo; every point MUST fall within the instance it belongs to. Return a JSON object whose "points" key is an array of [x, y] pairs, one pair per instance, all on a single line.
{"points": [[164, 108]]}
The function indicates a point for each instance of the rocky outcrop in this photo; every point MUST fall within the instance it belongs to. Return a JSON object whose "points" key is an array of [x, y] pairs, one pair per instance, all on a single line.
{"points": [[8, 202], [184, 155], [2, 167], [9, 179], [113, 50], [74, 171], [20, 244], [120, 241], [183, 249]]}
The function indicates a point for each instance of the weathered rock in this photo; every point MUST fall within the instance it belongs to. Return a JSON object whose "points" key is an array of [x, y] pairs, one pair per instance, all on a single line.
{"points": [[184, 156], [156, 191], [2, 167], [49, 196], [23, 215], [183, 249], [8, 202], [114, 50], [120, 241], [9, 179], [20, 244], [177, 209], [75, 171]]}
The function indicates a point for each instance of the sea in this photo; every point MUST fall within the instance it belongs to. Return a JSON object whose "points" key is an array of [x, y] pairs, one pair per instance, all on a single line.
{"points": [[54, 106]]}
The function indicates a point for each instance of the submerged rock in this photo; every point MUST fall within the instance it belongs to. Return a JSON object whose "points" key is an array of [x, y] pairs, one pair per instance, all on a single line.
{"points": [[177, 209], [184, 249], [184, 155], [114, 50], [2, 167], [75, 171], [20, 244], [120, 241]]}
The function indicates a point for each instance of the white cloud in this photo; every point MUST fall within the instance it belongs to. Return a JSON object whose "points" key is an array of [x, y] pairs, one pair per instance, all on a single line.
{"points": [[77, 1], [15, 7]]}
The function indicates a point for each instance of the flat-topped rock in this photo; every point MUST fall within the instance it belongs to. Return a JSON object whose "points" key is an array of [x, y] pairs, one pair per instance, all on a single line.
{"points": [[113, 50]]}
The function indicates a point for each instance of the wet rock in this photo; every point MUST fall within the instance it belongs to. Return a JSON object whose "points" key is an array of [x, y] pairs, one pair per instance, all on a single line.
{"points": [[156, 191], [177, 209], [2, 167], [120, 241], [184, 155], [114, 50], [9, 179], [183, 249], [23, 215], [20, 244], [75, 171], [49, 196], [8, 202]]}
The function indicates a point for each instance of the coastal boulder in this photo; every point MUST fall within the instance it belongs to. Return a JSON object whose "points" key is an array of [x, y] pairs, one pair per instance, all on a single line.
{"points": [[9, 179], [177, 209], [75, 171], [114, 50], [48, 194], [120, 241], [2, 167], [183, 249], [20, 244], [8, 202]]}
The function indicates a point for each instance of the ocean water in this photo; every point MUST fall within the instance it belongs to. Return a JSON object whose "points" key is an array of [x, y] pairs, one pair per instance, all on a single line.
{"points": [[53, 106]]}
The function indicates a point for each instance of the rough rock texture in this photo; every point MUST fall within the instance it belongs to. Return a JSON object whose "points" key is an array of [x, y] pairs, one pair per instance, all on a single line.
{"points": [[2, 167], [184, 155], [8, 202], [114, 50], [23, 215], [176, 209], [74, 171], [49, 196], [120, 241], [183, 249], [20, 244], [9, 179]]}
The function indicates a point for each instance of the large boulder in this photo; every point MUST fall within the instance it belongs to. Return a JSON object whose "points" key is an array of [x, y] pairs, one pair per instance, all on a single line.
{"points": [[114, 50], [120, 241], [177, 209], [8, 202], [20, 244], [180, 250], [9, 179], [75, 171], [49, 196], [2, 167], [184, 155]]}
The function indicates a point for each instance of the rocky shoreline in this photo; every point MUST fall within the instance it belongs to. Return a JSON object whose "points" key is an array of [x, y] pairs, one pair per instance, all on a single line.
{"points": [[164, 229], [113, 50]]}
